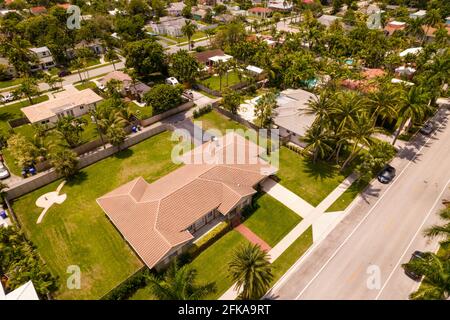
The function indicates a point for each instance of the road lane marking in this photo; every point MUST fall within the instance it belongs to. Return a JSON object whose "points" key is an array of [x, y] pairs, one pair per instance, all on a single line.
{"points": [[432, 210], [369, 212]]}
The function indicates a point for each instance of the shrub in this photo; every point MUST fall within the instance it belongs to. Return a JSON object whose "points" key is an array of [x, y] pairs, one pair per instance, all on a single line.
{"points": [[127, 288], [209, 239], [201, 111]]}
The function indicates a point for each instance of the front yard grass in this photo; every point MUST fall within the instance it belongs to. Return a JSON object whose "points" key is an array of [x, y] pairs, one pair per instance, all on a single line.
{"points": [[292, 254], [212, 264], [312, 182], [77, 232], [348, 196], [86, 85], [271, 220], [215, 120], [10, 83]]}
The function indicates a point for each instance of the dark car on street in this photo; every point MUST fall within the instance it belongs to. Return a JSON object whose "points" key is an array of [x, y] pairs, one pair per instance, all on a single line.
{"points": [[386, 174], [427, 129], [64, 73], [416, 255]]}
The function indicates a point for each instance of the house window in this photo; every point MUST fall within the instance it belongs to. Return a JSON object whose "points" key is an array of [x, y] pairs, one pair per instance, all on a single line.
{"points": [[211, 214], [81, 107]]}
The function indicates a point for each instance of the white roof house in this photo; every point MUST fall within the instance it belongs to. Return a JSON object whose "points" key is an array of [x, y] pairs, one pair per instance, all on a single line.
{"points": [[405, 70], [395, 80], [67, 103], [413, 51], [419, 14], [254, 69], [223, 58], [24, 292]]}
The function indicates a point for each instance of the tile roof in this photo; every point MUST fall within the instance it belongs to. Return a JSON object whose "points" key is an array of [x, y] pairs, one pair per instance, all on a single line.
{"points": [[154, 217], [204, 56]]}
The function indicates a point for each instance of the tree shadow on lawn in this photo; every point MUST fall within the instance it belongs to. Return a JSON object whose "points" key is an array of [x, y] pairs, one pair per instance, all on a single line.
{"points": [[321, 169], [123, 154], [77, 179]]}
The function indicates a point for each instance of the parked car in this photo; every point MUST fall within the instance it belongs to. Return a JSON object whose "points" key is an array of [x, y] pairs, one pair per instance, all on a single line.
{"points": [[8, 97], [64, 73], [386, 174], [188, 94], [4, 172], [172, 81], [427, 129], [416, 255]]}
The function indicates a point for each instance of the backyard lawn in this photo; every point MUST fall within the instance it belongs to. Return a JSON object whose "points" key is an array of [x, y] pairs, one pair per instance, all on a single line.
{"points": [[215, 120], [140, 112], [12, 111], [214, 81], [77, 232], [271, 220]]}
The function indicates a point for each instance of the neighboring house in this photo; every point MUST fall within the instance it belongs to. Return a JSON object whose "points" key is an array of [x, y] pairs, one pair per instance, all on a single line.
{"points": [[211, 57], [170, 26], [256, 72], [429, 31], [24, 292], [134, 91], [45, 59], [95, 46], [364, 84], [9, 68], [120, 76], [327, 20], [162, 219], [290, 115], [404, 71], [137, 91], [38, 10], [282, 6], [211, 3], [225, 18], [418, 15], [393, 26], [260, 12], [175, 9], [67, 103], [413, 51], [198, 13]]}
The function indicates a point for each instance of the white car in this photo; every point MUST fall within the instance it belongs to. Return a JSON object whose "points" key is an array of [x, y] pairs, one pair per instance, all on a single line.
{"points": [[4, 173], [172, 81], [8, 98]]}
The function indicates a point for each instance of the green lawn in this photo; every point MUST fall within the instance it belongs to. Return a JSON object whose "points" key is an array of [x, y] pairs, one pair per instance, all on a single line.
{"points": [[212, 264], [12, 111], [271, 220], [347, 197], [140, 112], [10, 83], [214, 81], [77, 232], [292, 254], [90, 62], [312, 182], [215, 120], [197, 35], [86, 85]]}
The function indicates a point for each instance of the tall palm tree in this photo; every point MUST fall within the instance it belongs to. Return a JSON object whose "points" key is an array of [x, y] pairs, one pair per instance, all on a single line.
{"points": [[441, 231], [360, 136], [250, 269], [413, 106], [320, 106], [318, 142], [347, 109], [112, 56], [27, 88], [221, 68], [383, 102], [436, 281], [189, 30], [178, 283], [432, 18]]}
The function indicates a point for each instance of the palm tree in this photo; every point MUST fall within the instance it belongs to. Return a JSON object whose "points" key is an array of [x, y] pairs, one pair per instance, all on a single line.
{"points": [[436, 281], [321, 107], [50, 80], [441, 231], [209, 33], [189, 30], [65, 162], [384, 102], [360, 135], [112, 56], [178, 283], [264, 110], [432, 18], [221, 69], [318, 141], [412, 107], [250, 269], [27, 88]]}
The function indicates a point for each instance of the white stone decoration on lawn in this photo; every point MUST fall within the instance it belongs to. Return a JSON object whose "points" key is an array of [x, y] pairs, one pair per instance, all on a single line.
{"points": [[47, 200]]}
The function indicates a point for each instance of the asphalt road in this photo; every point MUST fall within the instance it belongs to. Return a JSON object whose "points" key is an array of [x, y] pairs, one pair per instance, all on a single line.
{"points": [[361, 257]]}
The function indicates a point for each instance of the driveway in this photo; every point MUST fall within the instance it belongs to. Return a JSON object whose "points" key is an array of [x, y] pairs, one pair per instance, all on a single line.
{"points": [[361, 257]]}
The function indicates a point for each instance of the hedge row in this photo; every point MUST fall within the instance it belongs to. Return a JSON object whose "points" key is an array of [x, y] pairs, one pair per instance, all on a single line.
{"points": [[127, 288], [209, 239]]}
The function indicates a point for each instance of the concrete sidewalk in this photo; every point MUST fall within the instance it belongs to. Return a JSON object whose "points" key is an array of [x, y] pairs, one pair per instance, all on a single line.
{"points": [[321, 222]]}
